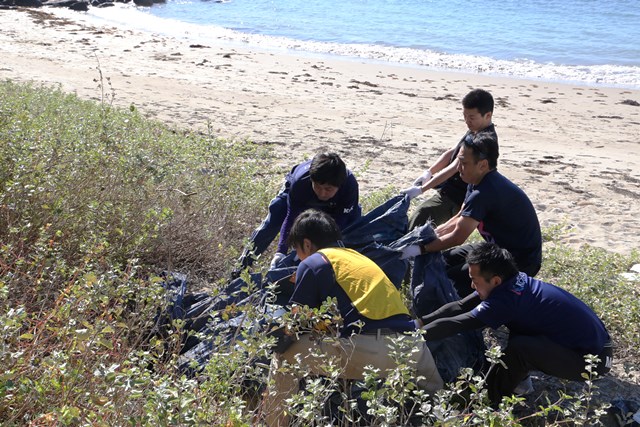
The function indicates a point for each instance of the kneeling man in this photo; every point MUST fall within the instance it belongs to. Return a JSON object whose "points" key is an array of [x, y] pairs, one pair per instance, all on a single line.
{"points": [[370, 305], [550, 330]]}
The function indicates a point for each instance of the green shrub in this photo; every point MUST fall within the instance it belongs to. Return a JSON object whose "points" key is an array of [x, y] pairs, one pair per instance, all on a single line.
{"points": [[96, 203], [104, 183], [593, 275]]}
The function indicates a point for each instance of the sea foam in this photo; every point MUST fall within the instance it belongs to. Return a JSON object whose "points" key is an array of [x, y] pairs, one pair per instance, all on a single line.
{"points": [[126, 16]]}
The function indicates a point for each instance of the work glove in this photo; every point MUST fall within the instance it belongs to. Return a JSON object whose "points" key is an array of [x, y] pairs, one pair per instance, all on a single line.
{"points": [[411, 251], [276, 259], [412, 192], [426, 176]]}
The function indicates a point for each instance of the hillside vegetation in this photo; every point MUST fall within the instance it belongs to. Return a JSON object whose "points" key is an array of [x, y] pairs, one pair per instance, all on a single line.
{"points": [[97, 203]]}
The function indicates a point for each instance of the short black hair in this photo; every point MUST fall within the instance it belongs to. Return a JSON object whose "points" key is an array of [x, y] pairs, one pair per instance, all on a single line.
{"points": [[479, 99], [328, 168], [493, 261], [484, 146], [317, 226]]}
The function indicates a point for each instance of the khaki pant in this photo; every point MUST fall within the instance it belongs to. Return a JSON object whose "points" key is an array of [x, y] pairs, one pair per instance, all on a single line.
{"points": [[351, 355]]}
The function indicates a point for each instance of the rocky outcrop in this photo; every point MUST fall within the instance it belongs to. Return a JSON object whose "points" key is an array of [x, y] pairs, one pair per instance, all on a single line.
{"points": [[101, 3], [79, 5], [21, 3], [147, 2]]}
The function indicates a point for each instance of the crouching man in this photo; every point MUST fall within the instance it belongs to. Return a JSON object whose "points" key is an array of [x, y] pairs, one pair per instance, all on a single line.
{"points": [[322, 183], [371, 308], [550, 330]]}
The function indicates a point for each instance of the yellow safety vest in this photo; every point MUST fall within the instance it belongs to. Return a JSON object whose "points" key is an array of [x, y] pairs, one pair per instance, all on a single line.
{"points": [[369, 289]]}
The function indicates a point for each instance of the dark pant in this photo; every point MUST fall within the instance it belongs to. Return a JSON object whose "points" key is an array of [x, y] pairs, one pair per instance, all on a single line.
{"points": [[526, 353], [455, 260], [262, 236], [438, 209], [458, 270]]}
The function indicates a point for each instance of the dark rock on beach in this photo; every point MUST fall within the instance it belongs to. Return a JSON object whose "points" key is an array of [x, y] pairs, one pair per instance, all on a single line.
{"points": [[79, 5], [21, 3], [101, 3], [147, 2]]}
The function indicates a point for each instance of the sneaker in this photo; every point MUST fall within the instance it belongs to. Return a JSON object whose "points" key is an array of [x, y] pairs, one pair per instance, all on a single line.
{"points": [[525, 387]]}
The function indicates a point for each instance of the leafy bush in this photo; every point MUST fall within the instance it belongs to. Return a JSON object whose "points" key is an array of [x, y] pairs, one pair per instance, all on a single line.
{"points": [[104, 183], [97, 203], [594, 276]]}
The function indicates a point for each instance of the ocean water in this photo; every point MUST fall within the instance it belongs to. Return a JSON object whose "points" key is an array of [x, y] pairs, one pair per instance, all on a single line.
{"points": [[579, 41]]}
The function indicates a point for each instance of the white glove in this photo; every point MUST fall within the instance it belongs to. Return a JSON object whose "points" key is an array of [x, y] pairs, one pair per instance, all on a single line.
{"points": [[426, 176], [412, 192], [276, 259], [411, 251]]}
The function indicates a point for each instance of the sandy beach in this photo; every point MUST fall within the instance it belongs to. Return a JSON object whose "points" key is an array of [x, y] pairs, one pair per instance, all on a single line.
{"points": [[573, 149]]}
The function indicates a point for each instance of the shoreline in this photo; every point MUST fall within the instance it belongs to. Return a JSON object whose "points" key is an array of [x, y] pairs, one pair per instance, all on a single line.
{"points": [[617, 75], [573, 148]]}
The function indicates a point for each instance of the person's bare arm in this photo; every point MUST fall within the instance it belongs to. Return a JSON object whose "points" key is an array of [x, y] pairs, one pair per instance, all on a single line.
{"points": [[442, 161], [448, 226], [441, 176], [456, 233]]}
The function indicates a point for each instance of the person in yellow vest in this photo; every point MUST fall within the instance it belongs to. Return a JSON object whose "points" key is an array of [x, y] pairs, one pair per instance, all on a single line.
{"points": [[370, 305]]}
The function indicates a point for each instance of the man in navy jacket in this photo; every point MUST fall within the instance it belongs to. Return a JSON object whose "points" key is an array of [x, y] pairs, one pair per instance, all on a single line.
{"points": [[550, 330], [322, 183]]}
